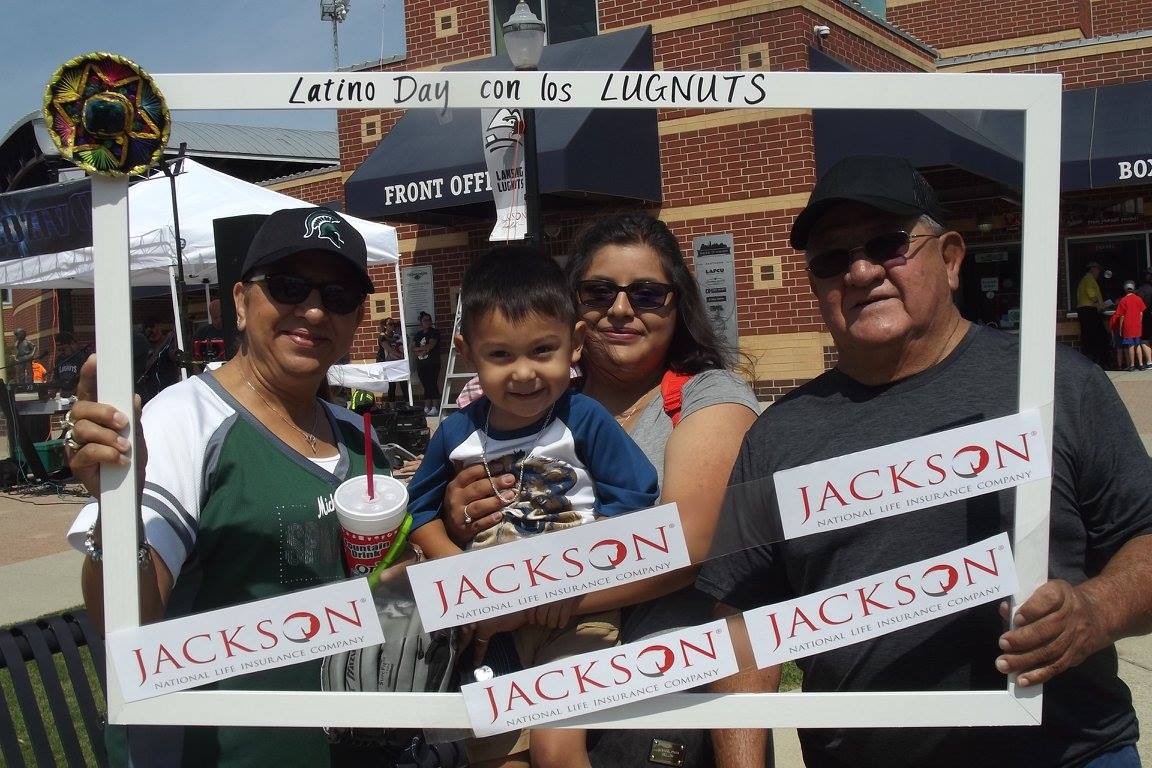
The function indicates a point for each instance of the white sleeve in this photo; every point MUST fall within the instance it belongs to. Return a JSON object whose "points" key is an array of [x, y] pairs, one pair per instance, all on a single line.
{"points": [[177, 426]]}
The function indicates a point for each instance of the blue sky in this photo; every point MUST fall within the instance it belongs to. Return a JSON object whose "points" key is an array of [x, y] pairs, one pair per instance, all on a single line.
{"points": [[189, 36]]}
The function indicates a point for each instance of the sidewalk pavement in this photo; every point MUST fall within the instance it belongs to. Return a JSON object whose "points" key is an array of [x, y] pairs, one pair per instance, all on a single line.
{"points": [[40, 575]]}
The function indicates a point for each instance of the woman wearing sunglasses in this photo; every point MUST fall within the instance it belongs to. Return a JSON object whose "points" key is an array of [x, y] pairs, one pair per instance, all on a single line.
{"points": [[647, 333], [241, 463]]}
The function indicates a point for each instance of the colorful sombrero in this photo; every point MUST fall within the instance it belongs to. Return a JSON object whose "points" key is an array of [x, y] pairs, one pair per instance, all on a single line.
{"points": [[106, 115]]}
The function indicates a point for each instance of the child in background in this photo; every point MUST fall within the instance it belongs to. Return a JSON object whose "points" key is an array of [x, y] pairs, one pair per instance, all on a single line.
{"points": [[1128, 323], [572, 461]]}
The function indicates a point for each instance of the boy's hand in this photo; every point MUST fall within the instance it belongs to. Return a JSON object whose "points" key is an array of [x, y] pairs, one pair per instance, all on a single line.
{"points": [[553, 615]]}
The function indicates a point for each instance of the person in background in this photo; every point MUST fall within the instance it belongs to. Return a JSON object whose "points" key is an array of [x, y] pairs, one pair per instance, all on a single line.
{"points": [[208, 341], [24, 352], [653, 359], [1094, 342], [1128, 323], [390, 347], [426, 344], [1144, 291], [39, 372], [69, 358]]}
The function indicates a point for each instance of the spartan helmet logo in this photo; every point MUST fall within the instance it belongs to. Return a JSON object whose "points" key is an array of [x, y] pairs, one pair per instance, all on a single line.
{"points": [[503, 130], [325, 226]]}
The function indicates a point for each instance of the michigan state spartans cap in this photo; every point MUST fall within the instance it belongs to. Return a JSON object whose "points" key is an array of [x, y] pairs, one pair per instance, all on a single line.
{"points": [[297, 230]]}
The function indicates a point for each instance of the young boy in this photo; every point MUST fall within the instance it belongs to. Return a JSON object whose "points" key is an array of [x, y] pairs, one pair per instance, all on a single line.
{"points": [[1127, 323], [572, 461]]}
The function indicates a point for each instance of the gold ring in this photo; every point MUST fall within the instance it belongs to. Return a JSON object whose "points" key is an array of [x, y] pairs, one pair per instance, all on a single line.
{"points": [[69, 425], [71, 443], [467, 517]]}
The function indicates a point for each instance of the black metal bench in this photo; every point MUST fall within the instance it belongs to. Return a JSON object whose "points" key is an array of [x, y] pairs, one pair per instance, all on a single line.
{"points": [[34, 645]]}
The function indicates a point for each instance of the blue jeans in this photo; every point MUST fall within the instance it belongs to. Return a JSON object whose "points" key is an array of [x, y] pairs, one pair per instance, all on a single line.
{"points": [[1125, 757]]}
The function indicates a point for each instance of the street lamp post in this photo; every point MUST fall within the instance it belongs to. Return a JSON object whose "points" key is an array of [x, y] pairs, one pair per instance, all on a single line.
{"points": [[524, 39], [335, 11]]}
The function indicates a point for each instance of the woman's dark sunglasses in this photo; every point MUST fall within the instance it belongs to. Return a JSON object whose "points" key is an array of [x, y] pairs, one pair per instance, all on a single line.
{"points": [[339, 298], [888, 250], [601, 294]]}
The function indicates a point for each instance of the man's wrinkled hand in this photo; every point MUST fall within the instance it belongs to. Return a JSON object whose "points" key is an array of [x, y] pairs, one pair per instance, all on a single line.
{"points": [[1054, 630]]}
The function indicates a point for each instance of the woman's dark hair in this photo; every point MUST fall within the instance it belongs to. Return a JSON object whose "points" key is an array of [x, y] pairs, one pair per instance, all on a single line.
{"points": [[423, 315], [519, 281], [695, 345]]}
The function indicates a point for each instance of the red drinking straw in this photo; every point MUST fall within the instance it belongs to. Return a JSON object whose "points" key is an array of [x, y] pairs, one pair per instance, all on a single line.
{"points": [[368, 452]]}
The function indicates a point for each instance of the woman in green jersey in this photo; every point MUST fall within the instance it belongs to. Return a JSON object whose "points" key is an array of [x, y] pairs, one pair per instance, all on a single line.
{"points": [[239, 465]]}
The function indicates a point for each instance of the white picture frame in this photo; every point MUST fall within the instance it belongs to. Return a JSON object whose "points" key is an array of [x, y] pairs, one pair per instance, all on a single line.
{"points": [[1038, 97]]}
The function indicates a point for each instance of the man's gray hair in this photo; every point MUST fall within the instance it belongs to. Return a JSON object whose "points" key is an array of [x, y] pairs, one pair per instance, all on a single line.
{"points": [[931, 224]]}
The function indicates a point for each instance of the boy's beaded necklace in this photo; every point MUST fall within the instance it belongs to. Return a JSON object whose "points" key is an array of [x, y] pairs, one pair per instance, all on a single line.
{"points": [[520, 479]]}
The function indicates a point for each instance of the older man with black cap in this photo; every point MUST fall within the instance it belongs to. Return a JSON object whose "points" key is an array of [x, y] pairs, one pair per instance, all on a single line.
{"points": [[883, 267], [241, 463]]}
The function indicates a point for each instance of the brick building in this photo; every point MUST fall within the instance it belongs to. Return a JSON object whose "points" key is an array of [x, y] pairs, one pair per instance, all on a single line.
{"points": [[747, 172]]}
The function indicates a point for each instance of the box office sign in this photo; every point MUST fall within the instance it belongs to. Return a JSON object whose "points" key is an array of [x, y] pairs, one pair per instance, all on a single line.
{"points": [[716, 274], [192, 651], [884, 603], [915, 474], [495, 581], [675, 661]]}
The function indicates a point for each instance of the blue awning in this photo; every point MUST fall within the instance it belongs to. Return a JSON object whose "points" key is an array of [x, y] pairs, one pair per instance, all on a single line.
{"points": [[1107, 137], [594, 154], [985, 143]]}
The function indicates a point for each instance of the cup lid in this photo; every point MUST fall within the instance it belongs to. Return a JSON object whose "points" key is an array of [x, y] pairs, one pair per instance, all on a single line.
{"points": [[389, 495]]}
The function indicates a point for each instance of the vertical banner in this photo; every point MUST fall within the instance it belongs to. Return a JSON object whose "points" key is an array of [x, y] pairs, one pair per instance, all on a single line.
{"points": [[504, 155], [716, 274], [416, 282]]}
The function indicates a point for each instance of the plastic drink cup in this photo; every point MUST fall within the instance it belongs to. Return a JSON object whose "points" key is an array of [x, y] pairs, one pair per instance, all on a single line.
{"points": [[368, 526]]}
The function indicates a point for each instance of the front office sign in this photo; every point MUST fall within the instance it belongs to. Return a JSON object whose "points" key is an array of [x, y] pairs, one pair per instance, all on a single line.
{"points": [[1036, 96]]}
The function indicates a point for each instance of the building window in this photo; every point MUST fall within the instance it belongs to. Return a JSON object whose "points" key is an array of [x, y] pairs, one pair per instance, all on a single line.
{"points": [[990, 285], [754, 57], [1124, 256], [370, 129], [446, 23], [565, 19], [6, 296]]}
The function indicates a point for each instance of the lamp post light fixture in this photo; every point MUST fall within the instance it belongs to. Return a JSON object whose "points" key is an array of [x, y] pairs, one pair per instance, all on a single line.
{"points": [[524, 39], [335, 11]]}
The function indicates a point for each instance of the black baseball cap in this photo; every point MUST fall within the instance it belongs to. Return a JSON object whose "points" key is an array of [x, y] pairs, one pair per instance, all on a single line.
{"points": [[889, 184], [295, 230]]}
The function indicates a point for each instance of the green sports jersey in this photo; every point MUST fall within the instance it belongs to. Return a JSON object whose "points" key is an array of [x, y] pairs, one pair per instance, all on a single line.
{"points": [[238, 516]]}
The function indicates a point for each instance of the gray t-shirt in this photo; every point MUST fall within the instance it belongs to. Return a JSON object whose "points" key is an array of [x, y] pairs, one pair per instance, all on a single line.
{"points": [[1101, 498], [651, 432], [653, 426]]}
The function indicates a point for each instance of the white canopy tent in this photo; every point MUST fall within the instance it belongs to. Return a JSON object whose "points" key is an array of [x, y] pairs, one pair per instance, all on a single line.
{"points": [[202, 194]]}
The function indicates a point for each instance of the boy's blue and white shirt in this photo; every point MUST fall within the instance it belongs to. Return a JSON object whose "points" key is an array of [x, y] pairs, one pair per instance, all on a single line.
{"points": [[582, 465]]}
